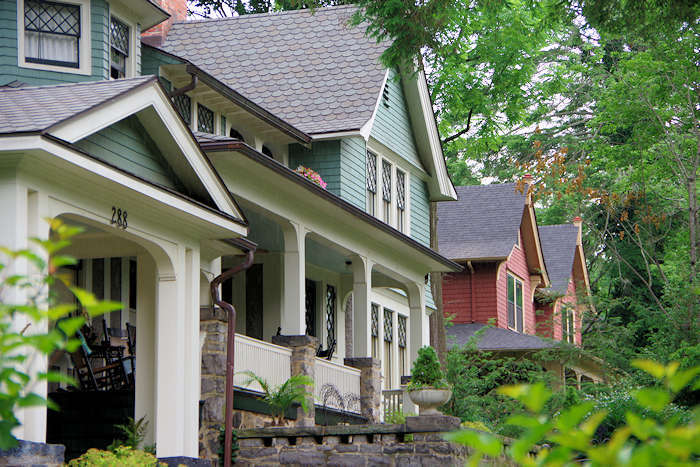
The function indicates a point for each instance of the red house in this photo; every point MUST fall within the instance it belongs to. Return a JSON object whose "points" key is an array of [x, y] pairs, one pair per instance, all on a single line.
{"points": [[521, 277]]}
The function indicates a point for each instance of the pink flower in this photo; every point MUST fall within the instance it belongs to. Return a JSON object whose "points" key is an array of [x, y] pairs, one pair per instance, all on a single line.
{"points": [[312, 175]]}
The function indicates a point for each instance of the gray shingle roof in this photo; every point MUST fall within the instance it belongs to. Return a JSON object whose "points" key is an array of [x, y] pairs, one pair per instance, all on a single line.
{"points": [[482, 223], [558, 247], [495, 338], [310, 69], [27, 109]]}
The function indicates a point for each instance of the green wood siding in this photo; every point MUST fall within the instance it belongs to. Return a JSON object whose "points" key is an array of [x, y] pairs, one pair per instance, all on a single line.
{"points": [[152, 59], [126, 145], [353, 171], [10, 71], [392, 125], [323, 157], [420, 211]]}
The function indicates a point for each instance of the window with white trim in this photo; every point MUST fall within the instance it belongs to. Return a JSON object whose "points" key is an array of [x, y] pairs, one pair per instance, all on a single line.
{"points": [[52, 33], [386, 190], [119, 34], [515, 303], [400, 200], [568, 326], [374, 319], [403, 350], [205, 119], [388, 344], [371, 183]]}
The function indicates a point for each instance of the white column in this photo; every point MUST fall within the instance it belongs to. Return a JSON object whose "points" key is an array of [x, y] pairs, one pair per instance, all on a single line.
{"points": [[293, 306], [362, 304], [145, 392], [170, 356], [418, 322], [192, 364]]}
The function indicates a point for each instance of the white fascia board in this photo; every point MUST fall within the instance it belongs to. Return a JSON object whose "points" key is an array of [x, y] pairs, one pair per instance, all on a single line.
{"points": [[134, 101], [417, 93], [34, 143], [366, 129], [336, 135]]}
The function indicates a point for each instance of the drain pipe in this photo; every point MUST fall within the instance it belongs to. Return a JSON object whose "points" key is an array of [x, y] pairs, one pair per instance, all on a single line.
{"points": [[249, 248], [186, 88]]}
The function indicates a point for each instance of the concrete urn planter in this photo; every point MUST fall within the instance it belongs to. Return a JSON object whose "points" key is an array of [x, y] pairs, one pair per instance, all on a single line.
{"points": [[429, 399]]}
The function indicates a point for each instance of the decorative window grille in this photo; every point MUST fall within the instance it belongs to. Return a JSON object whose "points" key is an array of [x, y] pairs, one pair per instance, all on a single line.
{"points": [[386, 189], [374, 318], [515, 303], [183, 104], [205, 119], [52, 33], [119, 43], [330, 315], [401, 331], [400, 200], [388, 339], [371, 182]]}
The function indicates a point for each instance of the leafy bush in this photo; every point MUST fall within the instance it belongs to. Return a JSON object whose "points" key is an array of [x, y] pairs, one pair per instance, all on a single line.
{"points": [[426, 371], [121, 456], [282, 398], [133, 433], [234, 445], [19, 346], [570, 434]]}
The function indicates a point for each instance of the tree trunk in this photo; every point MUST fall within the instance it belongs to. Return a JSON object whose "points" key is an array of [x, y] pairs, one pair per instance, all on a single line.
{"points": [[438, 338]]}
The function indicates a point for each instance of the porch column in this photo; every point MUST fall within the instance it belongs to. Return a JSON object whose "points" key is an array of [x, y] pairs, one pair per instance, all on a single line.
{"points": [[145, 391], [294, 306], [362, 304], [418, 322]]}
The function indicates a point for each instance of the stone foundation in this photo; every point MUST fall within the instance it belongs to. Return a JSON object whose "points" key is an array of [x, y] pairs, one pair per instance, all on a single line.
{"points": [[214, 327], [418, 442], [36, 454]]}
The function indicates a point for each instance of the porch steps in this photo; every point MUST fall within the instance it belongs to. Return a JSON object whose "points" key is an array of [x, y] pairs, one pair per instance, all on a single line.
{"points": [[86, 419]]}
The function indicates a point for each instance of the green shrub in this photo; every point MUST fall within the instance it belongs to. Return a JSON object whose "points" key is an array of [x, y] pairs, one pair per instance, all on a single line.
{"points": [[133, 433], [426, 371], [281, 398], [234, 445], [121, 456], [569, 435]]}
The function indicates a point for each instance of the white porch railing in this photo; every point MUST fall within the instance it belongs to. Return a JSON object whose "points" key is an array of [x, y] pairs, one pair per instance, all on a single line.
{"points": [[392, 402], [344, 379], [269, 361]]}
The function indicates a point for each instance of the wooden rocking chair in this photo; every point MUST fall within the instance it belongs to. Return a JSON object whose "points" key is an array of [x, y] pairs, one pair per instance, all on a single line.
{"points": [[110, 377]]}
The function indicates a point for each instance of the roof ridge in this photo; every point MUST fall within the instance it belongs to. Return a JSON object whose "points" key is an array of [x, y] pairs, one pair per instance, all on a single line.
{"points": [[80, 83], [267, 15]]}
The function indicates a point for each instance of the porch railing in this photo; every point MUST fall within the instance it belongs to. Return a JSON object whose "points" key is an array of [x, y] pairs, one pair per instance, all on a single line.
{"points": [[334, 381], [269, 361], [392, 401]]}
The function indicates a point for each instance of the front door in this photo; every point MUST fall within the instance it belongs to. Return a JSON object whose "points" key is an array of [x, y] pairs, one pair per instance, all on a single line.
{"points": [[310, 308]]}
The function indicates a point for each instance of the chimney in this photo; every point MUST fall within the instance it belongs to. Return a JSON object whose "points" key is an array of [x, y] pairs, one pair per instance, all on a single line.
{"points": [[177, 9], [578, 222]]}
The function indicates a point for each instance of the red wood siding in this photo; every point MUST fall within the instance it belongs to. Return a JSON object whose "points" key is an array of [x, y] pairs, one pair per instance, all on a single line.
{"points": [[517, 265], [457, 297]]}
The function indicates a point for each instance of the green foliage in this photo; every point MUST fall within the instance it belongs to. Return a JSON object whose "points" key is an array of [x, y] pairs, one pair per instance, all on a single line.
{"points": [[133, 433], [234, 445], [32, 324], [220, 8], [280, 399], [569, 435], [426, 371], [121, 456], [397, 417]]}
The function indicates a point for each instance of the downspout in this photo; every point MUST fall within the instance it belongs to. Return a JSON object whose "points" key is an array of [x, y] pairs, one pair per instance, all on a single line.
{"points": [[186, 88], [471, 289], [249, 249]]}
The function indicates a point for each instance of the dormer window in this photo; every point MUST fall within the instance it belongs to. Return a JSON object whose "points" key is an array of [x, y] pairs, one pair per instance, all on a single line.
{"points": [[205, 119], [52, 33], [371, 183], [119, 48], [386, 190], [54, 36]]}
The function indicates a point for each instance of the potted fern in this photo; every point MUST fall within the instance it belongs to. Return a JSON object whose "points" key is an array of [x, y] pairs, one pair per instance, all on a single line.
{"points": [[281, 398], [428, 388]]}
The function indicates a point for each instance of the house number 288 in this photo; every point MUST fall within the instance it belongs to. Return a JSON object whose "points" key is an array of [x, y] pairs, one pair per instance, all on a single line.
{"points": [[119, 217]]}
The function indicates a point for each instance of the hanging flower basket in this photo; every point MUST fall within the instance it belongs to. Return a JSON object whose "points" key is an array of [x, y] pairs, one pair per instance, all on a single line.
{"points": [[311, 175]]}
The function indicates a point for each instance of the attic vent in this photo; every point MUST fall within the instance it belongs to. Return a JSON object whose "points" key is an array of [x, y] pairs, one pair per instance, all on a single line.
{"points": [[385, 95]]}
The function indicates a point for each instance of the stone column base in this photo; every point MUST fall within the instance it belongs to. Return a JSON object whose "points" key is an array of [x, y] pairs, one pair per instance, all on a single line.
{"points": [[370, 386], [303, 363]]}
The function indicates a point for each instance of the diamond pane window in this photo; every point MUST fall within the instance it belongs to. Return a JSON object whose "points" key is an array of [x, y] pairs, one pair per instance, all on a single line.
{"points": [[183, 104], [205, 119], [371, 172], [119, 36], [375, 320], [386, 181], [401, 190], [51, 33], [330, 315], [402, 331], [388, 325]]}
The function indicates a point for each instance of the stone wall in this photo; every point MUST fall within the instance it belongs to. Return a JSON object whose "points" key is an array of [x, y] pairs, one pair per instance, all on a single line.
{"points": [[214, 327], [30, 453], [418, 442]]}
